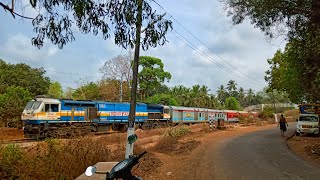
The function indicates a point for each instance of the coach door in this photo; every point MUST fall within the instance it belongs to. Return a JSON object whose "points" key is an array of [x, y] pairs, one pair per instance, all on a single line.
{"points": [[180, 115], [196, 115]]}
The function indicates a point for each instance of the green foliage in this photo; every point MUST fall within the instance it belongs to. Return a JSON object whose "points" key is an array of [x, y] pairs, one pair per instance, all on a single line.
{"points": [[55, 90], [293, 75], [165, 99], [18, 84], [232, 88], [196, 96], [12, 103], [88, 91], [296, 16], [11, 154], [176, 132], [232, 103], [221, 94], [152, 75], [22, 75], [55, 21], [296, 70], [267, 113]]}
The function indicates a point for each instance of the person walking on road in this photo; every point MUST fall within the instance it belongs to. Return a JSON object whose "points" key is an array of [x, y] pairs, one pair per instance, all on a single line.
{"points": [[283, 124]]}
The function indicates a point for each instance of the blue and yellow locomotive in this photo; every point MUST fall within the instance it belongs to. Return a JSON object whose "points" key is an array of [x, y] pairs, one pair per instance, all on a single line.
{"points": [[48, 117]]}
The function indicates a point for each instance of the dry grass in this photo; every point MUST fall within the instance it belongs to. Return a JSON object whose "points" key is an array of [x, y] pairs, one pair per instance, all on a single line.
{"points": [[172, 141], [54, 159]]}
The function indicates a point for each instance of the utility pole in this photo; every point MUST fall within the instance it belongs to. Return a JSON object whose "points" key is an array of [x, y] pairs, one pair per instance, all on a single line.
{"points": [[274, 103], [274, 107], [133, 100], [121, 81]]}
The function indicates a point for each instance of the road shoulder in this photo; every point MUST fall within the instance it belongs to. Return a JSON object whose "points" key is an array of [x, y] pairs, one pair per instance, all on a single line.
{"points": [[306, 147]]}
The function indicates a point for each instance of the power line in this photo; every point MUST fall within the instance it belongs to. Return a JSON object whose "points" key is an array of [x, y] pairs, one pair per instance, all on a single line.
{"points": [[171, 16], [192, 46]]}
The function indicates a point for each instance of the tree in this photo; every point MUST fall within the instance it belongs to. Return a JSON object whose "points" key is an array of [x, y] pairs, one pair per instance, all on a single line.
{"points": [[109, 90], [232, 88], [56, 18], [250, 97], [118, 67], [289, 74], [221, 94], [22, 75], [299, 22], [88, 91], [68, 93], [12, 103], [55, 90], [232, 103], [165, 99], [273, 16], [152, 75], [241, 96]]}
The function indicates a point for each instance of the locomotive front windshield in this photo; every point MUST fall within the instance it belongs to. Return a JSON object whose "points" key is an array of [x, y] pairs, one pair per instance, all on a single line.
{"points": [[33, 105]]}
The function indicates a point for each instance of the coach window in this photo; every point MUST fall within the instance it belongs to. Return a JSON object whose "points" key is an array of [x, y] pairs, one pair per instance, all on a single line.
{"points": [[166, 111], [200, 114], [51, 108]]}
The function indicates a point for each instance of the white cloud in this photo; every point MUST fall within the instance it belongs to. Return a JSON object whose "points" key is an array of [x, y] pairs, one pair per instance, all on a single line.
{"points": [[18, 48]]}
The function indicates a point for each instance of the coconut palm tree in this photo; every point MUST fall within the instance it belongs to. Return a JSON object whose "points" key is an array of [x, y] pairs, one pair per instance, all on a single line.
{"points": [[232, 88], [241, 96], [221, 94]]}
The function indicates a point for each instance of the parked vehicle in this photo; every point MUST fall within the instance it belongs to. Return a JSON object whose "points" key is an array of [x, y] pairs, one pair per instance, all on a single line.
{"points": [[308, 121]]}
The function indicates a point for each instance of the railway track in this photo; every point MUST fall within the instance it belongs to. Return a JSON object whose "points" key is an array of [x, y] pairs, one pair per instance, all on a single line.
{"points": [[26, 140], [18, 141]]}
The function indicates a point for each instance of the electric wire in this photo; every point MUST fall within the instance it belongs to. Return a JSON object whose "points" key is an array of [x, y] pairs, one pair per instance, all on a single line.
{"points": [[192, 46], [171, 16]]}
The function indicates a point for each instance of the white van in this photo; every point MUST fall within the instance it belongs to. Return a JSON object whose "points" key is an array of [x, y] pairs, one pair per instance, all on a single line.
{"points": [[307, 124]]}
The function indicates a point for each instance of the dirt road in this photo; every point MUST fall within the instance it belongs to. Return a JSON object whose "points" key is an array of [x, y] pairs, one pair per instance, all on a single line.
{"points": [[257, 155]]}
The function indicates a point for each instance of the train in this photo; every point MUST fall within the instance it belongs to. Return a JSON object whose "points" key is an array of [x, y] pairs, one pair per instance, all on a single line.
{"points": [[45, 117]]}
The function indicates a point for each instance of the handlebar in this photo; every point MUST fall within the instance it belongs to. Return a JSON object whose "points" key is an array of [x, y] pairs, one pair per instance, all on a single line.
{"points": [[139, 156], [120, 170]]}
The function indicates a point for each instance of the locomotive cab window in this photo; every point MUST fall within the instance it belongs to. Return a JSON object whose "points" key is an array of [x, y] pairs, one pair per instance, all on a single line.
{"points": [[166, 111], [51, 108]]}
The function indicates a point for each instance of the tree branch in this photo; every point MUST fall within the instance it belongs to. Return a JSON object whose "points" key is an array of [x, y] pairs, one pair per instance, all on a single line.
{"points": [[7, 8]]}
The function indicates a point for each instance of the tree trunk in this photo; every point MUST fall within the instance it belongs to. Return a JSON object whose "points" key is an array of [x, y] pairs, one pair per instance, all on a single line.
{"points": [[133, 99]]}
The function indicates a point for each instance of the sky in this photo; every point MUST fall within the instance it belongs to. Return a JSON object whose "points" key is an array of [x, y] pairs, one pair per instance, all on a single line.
{"points": [[226, 51]]}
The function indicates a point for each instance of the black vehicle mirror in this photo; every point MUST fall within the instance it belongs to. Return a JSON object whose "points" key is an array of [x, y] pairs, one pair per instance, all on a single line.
{"points": [[297, 120], [132, 138]]}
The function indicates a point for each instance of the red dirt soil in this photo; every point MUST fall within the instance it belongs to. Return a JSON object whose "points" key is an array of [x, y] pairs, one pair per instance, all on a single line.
{"points": [[9, 134], [307, 147]]}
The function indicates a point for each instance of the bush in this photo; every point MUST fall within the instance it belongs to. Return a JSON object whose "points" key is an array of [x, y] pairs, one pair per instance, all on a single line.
{"points": [[266, 113], [177, 131], [246, 120], [11, 155]]}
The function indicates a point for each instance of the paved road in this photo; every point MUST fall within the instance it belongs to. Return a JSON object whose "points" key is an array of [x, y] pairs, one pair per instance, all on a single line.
{"points": [[260, 155]]}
